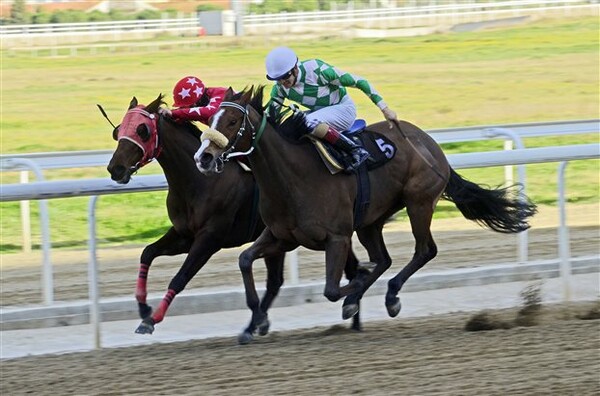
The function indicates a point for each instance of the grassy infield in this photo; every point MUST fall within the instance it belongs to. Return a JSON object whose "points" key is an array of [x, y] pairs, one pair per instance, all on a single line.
{"points": [[543, 71]]}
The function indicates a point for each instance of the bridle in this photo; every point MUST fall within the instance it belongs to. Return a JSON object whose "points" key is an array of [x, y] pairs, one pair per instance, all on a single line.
{"points": [[229, 150]]}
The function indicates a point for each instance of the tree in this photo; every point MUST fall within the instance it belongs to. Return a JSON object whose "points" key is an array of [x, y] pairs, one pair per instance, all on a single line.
{"points": [[18, 13]]}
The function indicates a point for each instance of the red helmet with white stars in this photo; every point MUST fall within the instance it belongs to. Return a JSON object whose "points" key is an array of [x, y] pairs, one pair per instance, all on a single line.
{"points": [[187, 91]]}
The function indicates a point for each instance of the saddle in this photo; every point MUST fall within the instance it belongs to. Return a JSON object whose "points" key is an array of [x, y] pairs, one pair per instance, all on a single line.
{"points": [[380, 148]]}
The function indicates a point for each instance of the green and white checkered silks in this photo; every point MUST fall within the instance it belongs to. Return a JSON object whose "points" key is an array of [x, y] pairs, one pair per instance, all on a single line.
{"points": [[321, 85]]}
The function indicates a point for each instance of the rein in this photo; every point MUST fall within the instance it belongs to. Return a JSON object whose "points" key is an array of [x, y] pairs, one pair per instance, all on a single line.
{"points": [[410, 143]]}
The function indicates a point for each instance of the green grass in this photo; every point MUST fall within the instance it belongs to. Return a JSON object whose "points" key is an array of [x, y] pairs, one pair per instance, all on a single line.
{"points": [[542, 71]]}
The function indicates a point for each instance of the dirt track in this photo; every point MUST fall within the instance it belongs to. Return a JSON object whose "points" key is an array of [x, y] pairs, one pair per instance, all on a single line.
{"points": [[460, 244], [432, 356]]}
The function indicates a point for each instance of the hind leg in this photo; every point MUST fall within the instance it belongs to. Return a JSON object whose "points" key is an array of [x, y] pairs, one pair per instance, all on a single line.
{"points": [[169, 244], [420, 215], [372, 239], [351, 306]]}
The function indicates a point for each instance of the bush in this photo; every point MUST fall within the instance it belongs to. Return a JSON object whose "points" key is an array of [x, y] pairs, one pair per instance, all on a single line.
{"points": [[98, 16], [116, 15], [68, 16], [148, 14], [208, 7], [41, 17]]}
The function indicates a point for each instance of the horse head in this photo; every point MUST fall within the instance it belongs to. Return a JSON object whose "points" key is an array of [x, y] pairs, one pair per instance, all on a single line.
{"points": [[233, 130], [137, 138]]}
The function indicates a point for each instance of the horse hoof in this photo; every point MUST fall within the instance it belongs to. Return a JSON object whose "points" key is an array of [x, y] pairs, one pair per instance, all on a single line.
{"points": [[145, 310], [394, 307], [245, 338], [349, 311], [145, 328], [263, 328]]}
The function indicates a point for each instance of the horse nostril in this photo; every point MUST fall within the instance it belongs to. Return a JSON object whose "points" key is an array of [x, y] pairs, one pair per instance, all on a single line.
{"points": [[206, 159], [116, 171]]}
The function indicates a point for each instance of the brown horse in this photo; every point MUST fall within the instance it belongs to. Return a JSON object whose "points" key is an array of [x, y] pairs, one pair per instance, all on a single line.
{"points": [[304, 204], [207, 213]]}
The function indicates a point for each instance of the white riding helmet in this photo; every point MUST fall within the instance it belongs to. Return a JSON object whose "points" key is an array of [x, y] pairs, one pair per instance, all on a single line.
{"points": [[280, 61]]}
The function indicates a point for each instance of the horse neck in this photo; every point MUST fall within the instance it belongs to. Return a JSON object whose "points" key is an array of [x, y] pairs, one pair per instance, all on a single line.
{"points": [[277, 165], [177, 155]]}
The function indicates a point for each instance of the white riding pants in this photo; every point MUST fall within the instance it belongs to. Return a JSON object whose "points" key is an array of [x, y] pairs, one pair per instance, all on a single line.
{"points": [[339, 116]]}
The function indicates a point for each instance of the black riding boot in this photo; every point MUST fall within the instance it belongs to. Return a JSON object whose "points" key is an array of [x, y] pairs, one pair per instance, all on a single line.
{"points": [[339, 141]]}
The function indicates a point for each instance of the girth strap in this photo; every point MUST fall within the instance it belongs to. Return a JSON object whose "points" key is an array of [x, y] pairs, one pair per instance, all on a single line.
{"points": [[363, 195]]}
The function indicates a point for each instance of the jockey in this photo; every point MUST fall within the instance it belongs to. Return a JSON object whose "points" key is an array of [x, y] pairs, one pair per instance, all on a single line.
{"points": [[321, 88], [194, 101]]}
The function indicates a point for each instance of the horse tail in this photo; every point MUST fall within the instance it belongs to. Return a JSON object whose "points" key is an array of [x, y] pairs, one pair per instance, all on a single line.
{"points": [[504, 210]]}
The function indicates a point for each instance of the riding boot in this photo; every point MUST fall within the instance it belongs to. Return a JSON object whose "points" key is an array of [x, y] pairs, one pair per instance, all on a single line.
{"points": [[345, 144]]}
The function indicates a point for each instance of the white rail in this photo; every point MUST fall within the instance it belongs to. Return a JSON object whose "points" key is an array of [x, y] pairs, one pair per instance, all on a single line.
{"points": [[105, 186], [77, 159], [59, 189], [92, 158], [38, 162]]}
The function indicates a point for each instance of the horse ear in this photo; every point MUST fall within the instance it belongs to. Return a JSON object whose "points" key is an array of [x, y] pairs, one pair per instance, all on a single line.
{"points": [[133, 103], [229, 94], [247, 96]]}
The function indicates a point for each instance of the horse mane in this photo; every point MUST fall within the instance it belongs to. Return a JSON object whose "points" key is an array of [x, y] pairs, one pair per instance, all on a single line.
{"points": [[291, 125], [191, 128], [152, 108]]}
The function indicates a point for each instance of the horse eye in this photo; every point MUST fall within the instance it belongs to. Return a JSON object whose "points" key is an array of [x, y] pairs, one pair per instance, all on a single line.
{"points": [[232, 122], [143, 132]]}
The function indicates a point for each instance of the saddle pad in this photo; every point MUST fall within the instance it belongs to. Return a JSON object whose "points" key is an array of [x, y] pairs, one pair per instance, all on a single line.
{"points": [[379, 147]]}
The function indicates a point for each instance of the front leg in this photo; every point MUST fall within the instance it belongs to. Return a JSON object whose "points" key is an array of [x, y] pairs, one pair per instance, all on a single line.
{"points": [[169, 244], [203, 247], [267, 245]]}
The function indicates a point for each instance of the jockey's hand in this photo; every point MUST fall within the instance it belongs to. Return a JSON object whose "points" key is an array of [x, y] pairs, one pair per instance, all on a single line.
{"points": [[295, 109], [390, 115], [163, 111]]}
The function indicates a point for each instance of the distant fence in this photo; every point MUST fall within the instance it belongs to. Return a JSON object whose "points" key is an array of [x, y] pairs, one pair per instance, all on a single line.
{"points": [[20, 37]]}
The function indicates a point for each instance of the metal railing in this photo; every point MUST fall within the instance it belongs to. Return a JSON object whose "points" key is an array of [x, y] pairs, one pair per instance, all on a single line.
{"points": [[91, 158], [93, 188]]}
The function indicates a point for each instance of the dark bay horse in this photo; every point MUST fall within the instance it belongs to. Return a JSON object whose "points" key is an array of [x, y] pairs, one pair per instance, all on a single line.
{"points": [[207, 213], [302, 203]]}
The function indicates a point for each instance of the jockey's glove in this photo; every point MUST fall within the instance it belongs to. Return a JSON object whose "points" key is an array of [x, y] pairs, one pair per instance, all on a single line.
{"points": [[390, 115], [164, 112]]}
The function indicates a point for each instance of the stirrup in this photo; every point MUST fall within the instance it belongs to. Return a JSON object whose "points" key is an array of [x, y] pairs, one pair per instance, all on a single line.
{"points": [[363, 155]]}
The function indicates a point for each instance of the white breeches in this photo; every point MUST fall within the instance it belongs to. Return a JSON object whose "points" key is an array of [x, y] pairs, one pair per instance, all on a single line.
{"points": [[340, 116]]}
